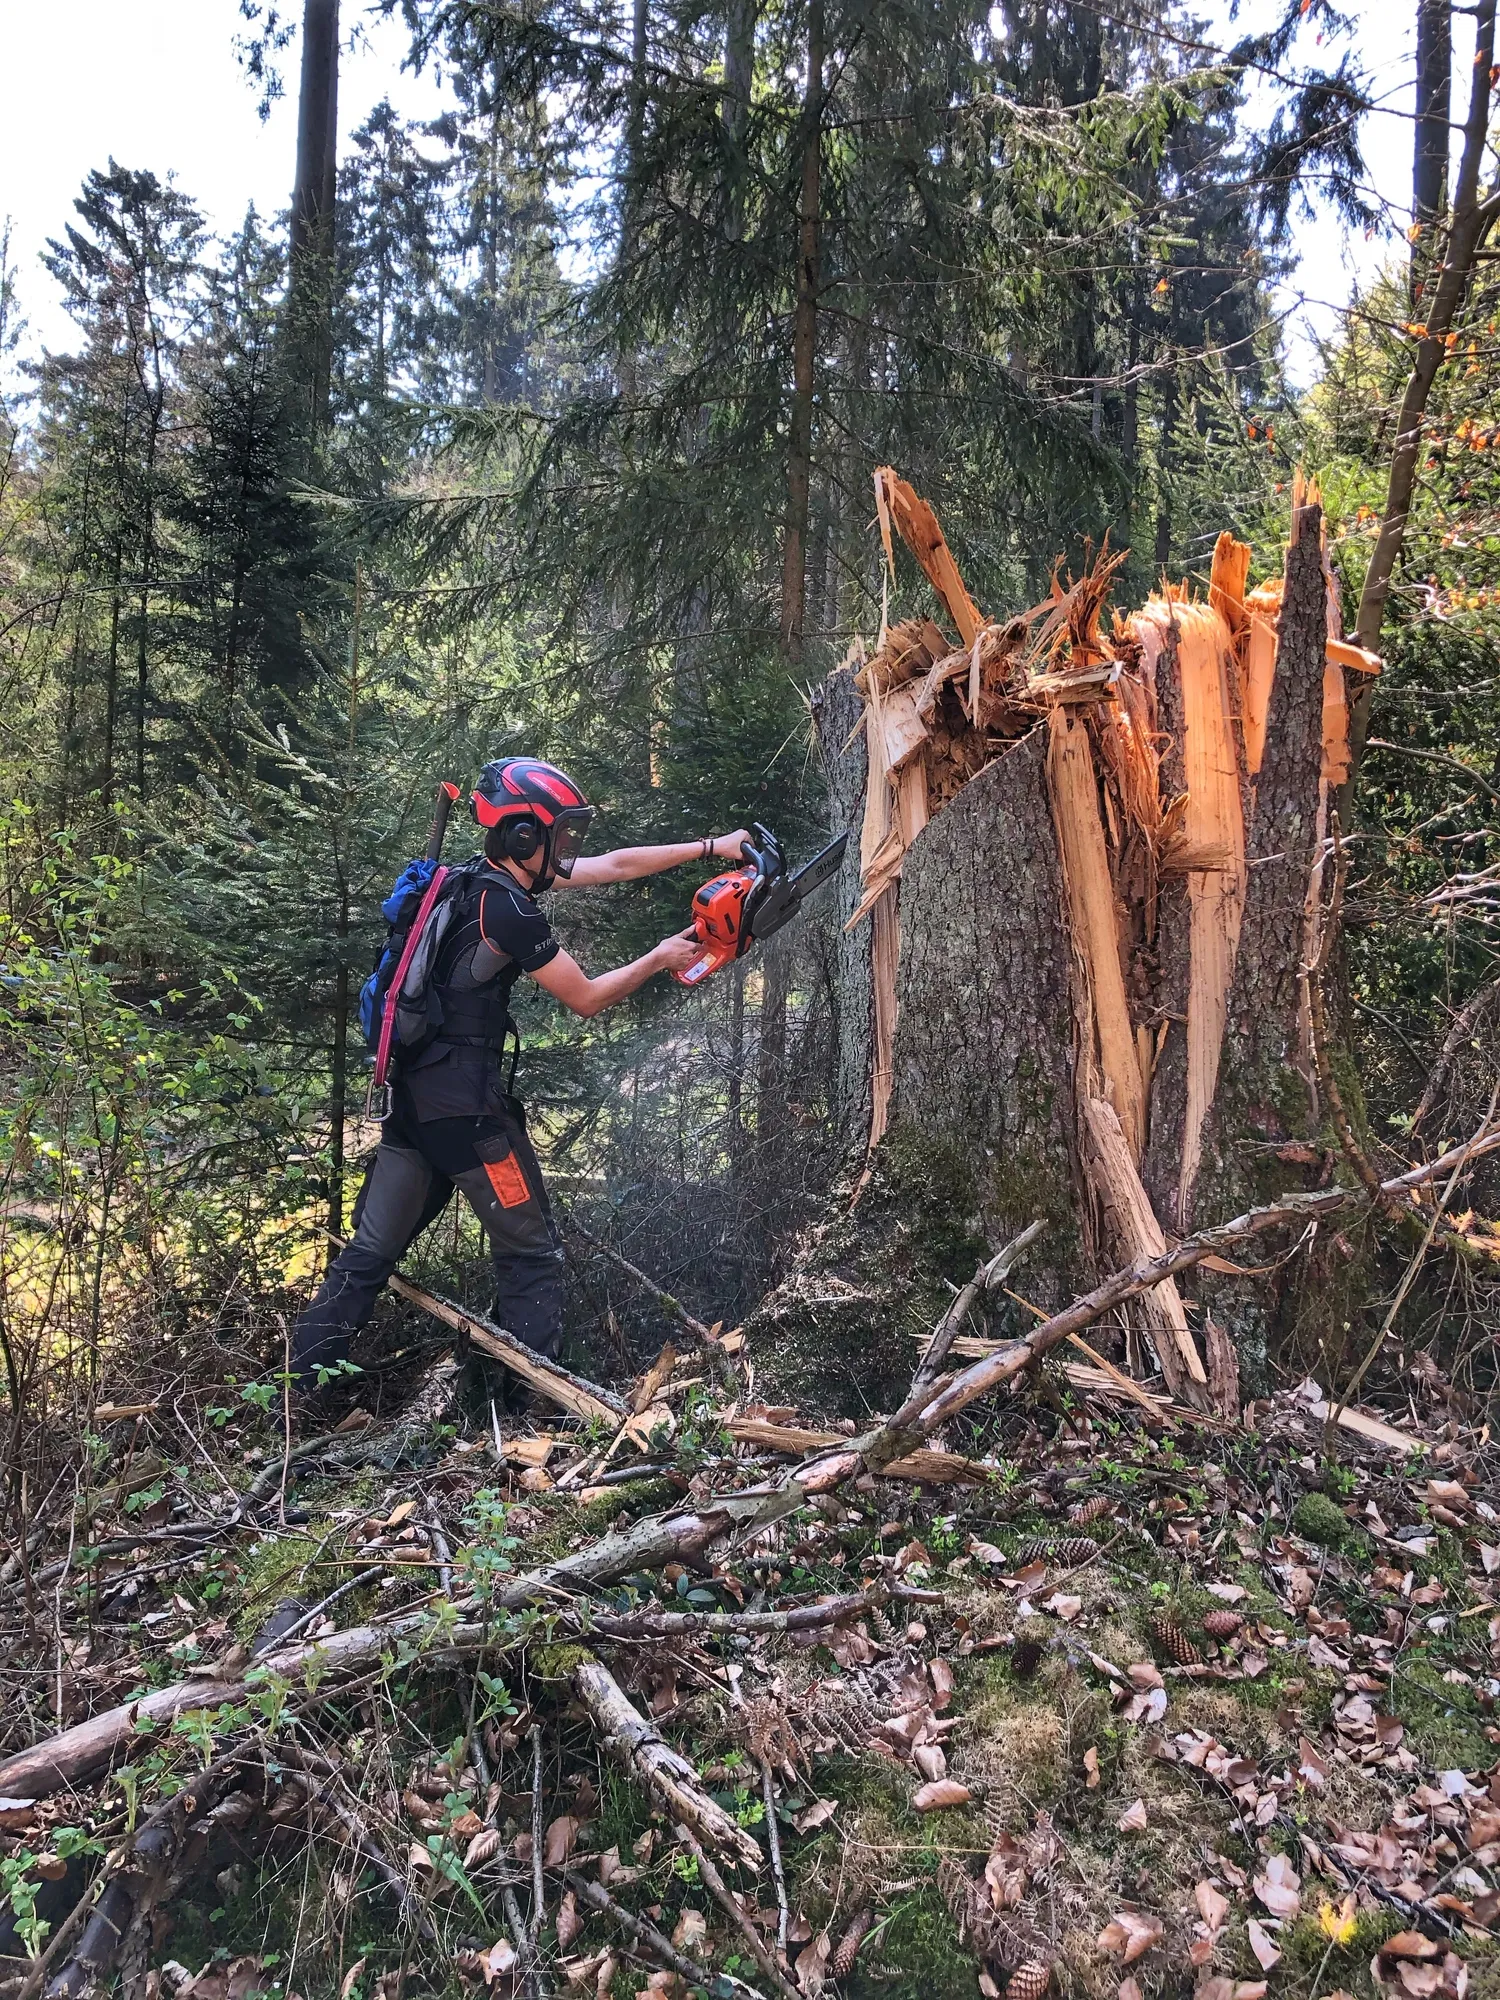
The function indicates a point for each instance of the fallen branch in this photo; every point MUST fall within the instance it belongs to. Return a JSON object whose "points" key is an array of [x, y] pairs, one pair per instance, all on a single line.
{"points": [[644, 1937], [139, 1874], [637, 1745], [574, 1393], [718, 1888]]}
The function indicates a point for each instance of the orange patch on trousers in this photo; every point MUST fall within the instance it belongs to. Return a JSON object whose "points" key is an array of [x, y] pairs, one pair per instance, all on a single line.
{"points": [[508, 1178]]}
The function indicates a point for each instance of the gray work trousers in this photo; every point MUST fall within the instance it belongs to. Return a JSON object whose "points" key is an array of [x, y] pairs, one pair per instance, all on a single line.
{"points": [[409, 1184]]}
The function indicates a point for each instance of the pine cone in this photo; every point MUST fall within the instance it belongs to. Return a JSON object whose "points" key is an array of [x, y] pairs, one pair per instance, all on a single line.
{"points": [[1222, 1624], [1029, 1981], [1069, 1553], [842, 1962], [1091, 1510], [1174, 1642]]}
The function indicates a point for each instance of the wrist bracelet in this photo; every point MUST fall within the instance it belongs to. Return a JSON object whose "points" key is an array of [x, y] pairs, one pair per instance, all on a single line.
{"points": [[706, 849]]}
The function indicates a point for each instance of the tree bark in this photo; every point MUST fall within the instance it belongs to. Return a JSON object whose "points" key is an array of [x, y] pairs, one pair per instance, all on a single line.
{"points": [[804, 344], [310, 287], [838, 715], [984, 1045]]}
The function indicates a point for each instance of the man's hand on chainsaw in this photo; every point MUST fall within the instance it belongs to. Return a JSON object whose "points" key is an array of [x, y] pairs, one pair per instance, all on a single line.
{"points": [[731, 846], [677, 953]]}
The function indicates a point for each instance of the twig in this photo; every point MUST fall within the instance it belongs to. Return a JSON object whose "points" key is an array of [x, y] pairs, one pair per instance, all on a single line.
{"points": [[773, 1835], [538, 1880], [663, 1298], [714, 1882], [643, 1936], [440, 1547], [985, 1279], [1408, 1279], [309, 1618]]}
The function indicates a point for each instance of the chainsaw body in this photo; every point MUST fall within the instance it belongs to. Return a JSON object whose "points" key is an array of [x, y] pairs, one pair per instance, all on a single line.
{"points": [[745, 904]]}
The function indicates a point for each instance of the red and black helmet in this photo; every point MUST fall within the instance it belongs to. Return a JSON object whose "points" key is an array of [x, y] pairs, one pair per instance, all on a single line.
{"points": [[529, 808]]}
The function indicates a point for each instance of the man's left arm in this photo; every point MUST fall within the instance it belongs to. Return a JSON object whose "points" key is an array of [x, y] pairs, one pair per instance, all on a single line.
{"points": [[630, 864]]}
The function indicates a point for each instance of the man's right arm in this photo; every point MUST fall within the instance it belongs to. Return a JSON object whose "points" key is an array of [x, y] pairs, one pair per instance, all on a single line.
{"points": [[565, 979]]}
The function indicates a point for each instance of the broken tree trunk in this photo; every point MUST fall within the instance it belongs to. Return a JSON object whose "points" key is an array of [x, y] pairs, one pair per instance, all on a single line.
{"points": [[1264, 1110], [983, 1050]]}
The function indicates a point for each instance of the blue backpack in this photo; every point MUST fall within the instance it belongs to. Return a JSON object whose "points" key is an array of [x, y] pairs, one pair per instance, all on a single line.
{"points": [[418, 1013]]}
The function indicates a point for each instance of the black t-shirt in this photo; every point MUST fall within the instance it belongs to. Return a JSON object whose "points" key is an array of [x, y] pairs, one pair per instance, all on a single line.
{"points": [[502, 934]]}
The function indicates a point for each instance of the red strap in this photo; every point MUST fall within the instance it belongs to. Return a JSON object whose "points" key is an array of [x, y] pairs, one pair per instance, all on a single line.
{"points": [[392, 992]]}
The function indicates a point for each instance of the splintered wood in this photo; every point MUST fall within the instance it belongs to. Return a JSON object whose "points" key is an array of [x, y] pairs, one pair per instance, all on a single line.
{"points": [[1156, 734]]}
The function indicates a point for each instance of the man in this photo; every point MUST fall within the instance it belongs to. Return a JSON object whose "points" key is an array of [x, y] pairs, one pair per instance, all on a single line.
{"points": [[452, 1123]]}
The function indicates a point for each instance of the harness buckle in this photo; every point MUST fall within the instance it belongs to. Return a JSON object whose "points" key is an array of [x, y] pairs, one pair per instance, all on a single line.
{"points": [[378, 1103]]}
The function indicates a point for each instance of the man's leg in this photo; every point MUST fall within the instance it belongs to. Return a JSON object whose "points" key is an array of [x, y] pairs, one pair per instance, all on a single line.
{"points": [[506, 1192], [401, 1195]]}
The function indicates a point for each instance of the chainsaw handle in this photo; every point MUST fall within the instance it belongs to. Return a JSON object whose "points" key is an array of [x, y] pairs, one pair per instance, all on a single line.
{"points": [[446, 796]]}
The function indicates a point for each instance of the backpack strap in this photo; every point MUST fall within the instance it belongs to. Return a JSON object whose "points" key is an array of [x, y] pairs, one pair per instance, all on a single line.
{"points": [[392, 993]]}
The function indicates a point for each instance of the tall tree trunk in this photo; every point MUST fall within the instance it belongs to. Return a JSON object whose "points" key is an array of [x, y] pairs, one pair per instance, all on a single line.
{"points": [[1163, 474], [804, 344], [739, 64], [310, 288], [1472, 218], [1429, 181]]}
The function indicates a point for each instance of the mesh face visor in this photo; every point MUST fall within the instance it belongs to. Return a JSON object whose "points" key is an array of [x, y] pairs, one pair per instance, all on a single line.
{"points": [[569, 831]]}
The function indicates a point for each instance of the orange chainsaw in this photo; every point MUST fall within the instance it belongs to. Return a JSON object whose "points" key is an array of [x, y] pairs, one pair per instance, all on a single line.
{"points": [[745, 905]]}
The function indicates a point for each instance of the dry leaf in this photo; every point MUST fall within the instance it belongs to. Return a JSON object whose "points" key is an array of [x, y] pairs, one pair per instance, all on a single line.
{"points": [[1249, 1989], [346, 1986], [1267, 1953], [943, 1792], [1279, 1888], [930, 1761], [1130, 1989], [691, 1930], [1310, 1766], [499, 1961], [399, 1514], [1130, 1935], [941, 1675], [1227, 1593], [1143, 1674], [1091, 1766], [817, 1814], [1133, 1819], [812, 1964], [569, 1923], [558, 1842], [483, 1847], [1212, 1906], [1410, 1944], [1062, 1606]]}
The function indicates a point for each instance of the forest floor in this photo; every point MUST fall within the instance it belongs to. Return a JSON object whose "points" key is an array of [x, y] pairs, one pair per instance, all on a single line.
{"points": [[1141, 1705]]}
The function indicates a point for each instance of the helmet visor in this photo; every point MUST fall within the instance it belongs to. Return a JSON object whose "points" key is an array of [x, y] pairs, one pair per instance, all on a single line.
{"points": [[569, 831]]}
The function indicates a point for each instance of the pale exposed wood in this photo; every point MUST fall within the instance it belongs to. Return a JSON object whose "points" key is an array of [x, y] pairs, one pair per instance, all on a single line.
{"points": [[918, 528], [558, 1385], [1138, 1235], [1260, 671], [1227, 579], [922, 1468], [1213, 822], [1095, 931]]}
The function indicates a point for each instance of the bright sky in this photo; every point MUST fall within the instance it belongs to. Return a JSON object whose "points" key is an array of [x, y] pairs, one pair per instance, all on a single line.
{"points": [[155, 83]]}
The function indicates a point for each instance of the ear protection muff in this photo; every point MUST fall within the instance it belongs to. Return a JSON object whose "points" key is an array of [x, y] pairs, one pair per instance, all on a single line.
{"points": [[518, 839], [522, 838]]}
